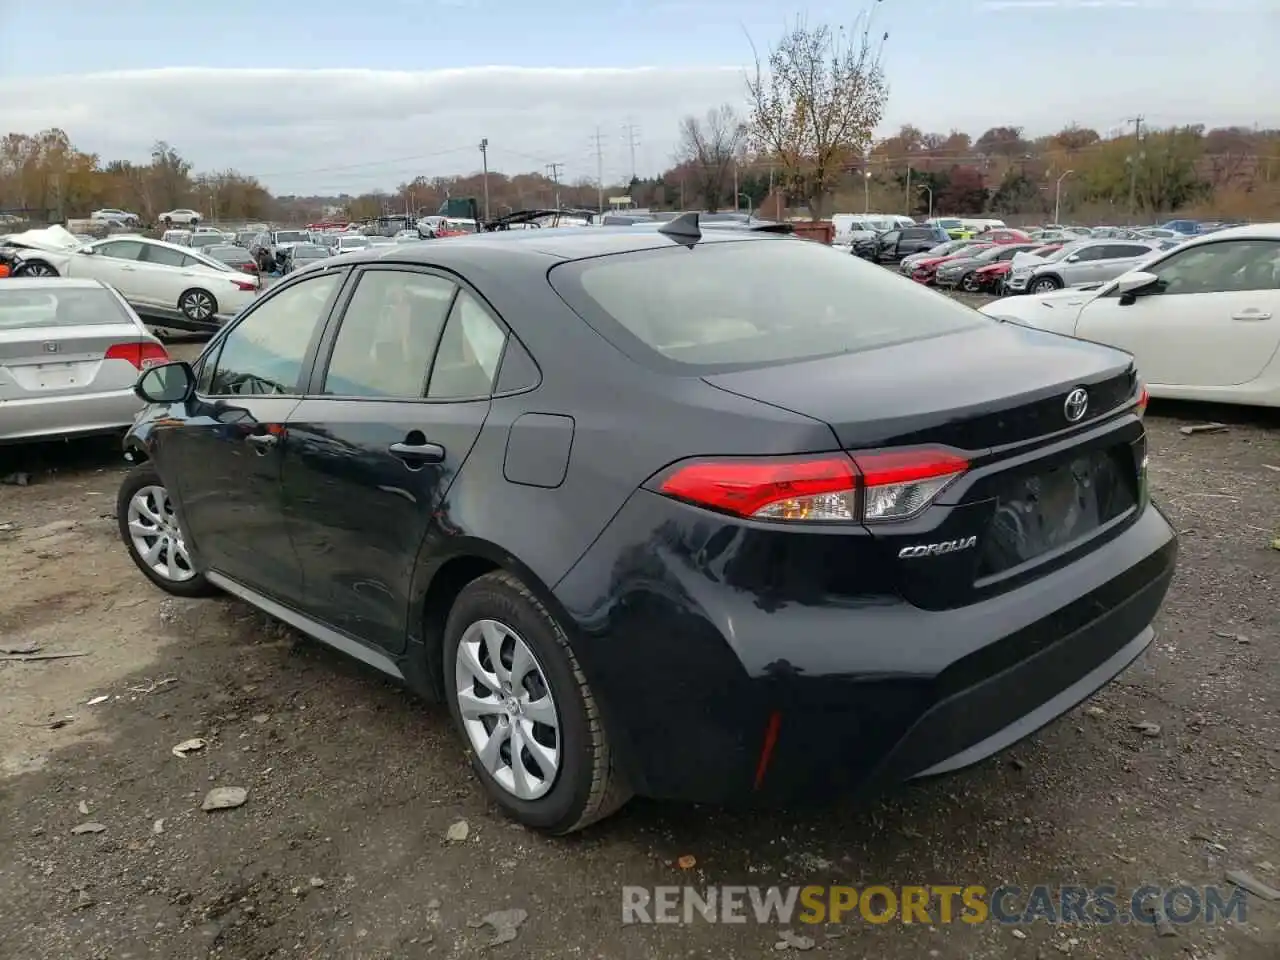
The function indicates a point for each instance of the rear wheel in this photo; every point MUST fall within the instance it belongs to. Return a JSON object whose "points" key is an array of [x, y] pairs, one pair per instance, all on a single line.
{"points": [[520, 700], [198, 305], [148, 522]]}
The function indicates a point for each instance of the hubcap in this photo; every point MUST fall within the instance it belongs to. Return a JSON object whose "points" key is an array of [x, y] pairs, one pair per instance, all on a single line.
{"points": [[198, 306], [507, 710], [155, 535]]}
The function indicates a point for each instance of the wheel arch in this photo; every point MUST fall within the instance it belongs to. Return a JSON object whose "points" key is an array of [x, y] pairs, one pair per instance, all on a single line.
{"points": [[438, 579], [1046, 276]]}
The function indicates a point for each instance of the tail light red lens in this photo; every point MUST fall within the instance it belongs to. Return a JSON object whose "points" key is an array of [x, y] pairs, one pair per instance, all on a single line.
{"points": [[246, 285], [871, 487], [139, 353], [1143, 398]]}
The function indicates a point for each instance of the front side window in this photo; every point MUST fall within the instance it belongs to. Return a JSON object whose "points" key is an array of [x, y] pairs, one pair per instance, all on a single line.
{"points": [[752, 303], [388, 335], [120, 249], [264, 352], [1230, 266]]}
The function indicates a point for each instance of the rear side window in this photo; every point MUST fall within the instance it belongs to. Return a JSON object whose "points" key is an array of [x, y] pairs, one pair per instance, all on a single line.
{"points": [[751, 303]]}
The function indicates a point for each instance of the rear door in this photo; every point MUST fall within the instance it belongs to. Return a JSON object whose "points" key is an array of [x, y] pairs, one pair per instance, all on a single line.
{"points": [[1118, 258], [1212, 320], [165, 279], [397, 402], [224, 447]]}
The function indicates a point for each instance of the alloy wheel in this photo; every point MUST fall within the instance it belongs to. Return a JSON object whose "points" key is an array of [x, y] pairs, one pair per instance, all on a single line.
{"points": [[969, 283], [1044, 286], [507, 709], [197, 305], [156, 536], [40, 270]]}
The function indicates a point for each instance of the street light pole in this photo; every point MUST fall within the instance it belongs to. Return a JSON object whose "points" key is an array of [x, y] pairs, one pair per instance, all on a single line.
{"points": [[484, 157], [1057, 195], [928, 189], [866, 191]]}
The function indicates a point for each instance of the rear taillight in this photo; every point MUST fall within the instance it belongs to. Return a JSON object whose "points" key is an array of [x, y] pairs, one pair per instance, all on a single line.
{"points": [[139, 353], [247, 286], [870, 487], [4, 271], [1143, 397]]}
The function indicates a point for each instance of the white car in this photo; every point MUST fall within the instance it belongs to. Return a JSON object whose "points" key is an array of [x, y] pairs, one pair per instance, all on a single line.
{"points": [[1202, 319], [170, 285], [187, 218], [70, 353], [111, 213]]}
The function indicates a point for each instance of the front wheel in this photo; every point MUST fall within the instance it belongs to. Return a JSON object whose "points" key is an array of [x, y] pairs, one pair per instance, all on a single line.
{"points": [[969, 283], [149, 527], [35, 268], [524, 707], [1046, 285]]}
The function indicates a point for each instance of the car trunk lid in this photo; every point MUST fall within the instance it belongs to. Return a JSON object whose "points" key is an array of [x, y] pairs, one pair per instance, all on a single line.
{"points": [[53, 361]]}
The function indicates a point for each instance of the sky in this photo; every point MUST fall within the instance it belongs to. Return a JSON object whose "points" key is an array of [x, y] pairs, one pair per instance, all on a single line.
{"points": [[336, 96]]}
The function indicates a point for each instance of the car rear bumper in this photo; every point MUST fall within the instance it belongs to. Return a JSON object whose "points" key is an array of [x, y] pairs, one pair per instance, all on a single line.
{"points": [[42, 418], [716, 694]]}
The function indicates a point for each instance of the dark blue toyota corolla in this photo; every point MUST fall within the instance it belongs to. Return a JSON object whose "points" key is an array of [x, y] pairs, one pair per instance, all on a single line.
{"points": [[693, 513]]}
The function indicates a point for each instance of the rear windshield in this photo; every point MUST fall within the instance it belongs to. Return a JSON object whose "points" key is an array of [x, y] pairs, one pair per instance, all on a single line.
{"points": [[919, 233], [59, 308], [751, 303], [292, 236]]}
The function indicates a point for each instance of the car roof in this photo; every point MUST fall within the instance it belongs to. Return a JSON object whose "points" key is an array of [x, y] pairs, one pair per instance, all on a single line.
{"points": [[45, 283], [1252, 231]]}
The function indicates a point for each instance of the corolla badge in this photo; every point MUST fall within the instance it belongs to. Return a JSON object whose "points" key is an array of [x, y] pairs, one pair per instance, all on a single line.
{"points": [[937, 549], [1076, 404]]}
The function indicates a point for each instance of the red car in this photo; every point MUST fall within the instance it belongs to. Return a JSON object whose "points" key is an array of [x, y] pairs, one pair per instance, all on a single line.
{"points": [[990, 278], [926, 270], [1004, 235]]}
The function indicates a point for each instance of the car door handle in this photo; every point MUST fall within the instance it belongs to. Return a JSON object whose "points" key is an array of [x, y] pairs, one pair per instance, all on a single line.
{"points": [[129, 269], [1248, 315], [418, 452], [263, 441]]}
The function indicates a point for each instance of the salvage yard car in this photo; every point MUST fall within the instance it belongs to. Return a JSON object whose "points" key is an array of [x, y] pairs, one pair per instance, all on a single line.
{"points": [[710, 515], [70, 352], [1202, 320], [174, 285]]}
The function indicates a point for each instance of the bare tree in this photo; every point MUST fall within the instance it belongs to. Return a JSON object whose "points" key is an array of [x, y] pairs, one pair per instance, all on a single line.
{"points": [[814, 104], [711, 146]]}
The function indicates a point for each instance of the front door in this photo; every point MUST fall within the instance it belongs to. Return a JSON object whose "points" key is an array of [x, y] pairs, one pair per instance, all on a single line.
{"points": [[1211, 320], [115, 262], [228, 443], [374, 449]]}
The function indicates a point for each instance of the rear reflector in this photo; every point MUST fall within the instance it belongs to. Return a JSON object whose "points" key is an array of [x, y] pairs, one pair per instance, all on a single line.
{"points": [[870, 487], [141, 353]]}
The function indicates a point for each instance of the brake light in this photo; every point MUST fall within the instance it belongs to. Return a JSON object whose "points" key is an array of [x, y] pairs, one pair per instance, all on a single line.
{"points": [[1143, 398], [248, 286], [872, 487], [140, 353], [4, 271]]}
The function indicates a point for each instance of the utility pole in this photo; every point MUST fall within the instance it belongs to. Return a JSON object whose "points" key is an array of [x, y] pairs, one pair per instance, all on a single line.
{"points": [[1133, 164], [910, 196], [599, 139], [632, 143], [736, 195], [484, 159], [554, 168]]}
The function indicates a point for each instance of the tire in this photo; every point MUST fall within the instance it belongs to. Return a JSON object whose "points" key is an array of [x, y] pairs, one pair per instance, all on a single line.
{"points": [[585, 785], [35, 268], [1045, 285], [198, 305], [142, 499], [969, 283]]}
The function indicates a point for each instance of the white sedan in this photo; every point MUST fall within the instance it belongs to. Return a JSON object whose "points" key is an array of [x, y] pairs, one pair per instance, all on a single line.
{"points": [[170, 285], [1202, 320]]}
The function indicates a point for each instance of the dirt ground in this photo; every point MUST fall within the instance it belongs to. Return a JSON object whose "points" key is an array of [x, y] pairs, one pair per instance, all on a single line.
{"points": [[341, 850]]}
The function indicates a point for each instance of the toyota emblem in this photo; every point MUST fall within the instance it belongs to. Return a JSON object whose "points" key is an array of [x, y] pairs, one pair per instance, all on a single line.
{"points": [[1076, 404], [50, 346]]}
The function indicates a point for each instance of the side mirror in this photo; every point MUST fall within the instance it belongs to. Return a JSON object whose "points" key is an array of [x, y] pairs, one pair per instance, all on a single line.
{"points": [[1073, 258], [166, 383], [1130, 285]]}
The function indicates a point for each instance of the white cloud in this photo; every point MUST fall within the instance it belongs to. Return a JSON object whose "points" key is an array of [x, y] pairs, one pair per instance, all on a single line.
{"points": [[330, 131], [355, 130]]}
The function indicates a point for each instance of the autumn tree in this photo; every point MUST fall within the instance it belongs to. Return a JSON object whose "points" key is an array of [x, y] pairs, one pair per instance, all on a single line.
{"points": [[1004, 142], [711, 146], [814, 104]]}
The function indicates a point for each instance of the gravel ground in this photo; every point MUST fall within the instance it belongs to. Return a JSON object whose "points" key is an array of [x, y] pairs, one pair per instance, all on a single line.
{"points": [[340, 849]]}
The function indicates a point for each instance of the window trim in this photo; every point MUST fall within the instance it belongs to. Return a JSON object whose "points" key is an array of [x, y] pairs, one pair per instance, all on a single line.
{"points": [[314, 384], [214, 347]]}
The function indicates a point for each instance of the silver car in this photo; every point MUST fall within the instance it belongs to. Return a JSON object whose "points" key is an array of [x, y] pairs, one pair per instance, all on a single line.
{"points": [[1088, 261], [70, 353]]}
